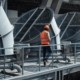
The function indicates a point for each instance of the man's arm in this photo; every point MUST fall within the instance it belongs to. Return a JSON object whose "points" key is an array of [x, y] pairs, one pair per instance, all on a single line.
{"points": [[49, 37]]}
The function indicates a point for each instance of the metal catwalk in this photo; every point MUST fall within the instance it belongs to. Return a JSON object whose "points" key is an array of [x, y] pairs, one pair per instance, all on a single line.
{"points": [[27, 29]]}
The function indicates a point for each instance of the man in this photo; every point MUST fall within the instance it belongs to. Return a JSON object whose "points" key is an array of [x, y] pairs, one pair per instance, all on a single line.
{"points": [[45, 40]]}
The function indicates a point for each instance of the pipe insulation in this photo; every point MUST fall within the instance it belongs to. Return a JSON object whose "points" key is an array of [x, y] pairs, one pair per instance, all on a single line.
{"points": [[56, 32], [14, 66]]}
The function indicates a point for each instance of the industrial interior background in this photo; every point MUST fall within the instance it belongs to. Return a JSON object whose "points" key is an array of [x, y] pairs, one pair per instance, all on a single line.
{"points": [[16, 8]]}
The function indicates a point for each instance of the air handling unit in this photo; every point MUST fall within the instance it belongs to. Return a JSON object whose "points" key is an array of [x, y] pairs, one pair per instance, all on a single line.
{"points": [[26, 30], [28, 26]]}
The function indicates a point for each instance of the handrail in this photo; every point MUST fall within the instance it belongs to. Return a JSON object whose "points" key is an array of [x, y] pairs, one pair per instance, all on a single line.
{"points": [[40, 45], [44, 72]]}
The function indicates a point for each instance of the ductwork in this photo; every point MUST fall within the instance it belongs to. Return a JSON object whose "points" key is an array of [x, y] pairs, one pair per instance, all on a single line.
{"points": [[56, 32], [7, 40], [6, 32], [12, 67]]}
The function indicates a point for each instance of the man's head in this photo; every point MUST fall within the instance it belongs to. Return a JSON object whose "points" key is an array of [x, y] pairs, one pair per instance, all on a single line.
{"points": [[46, 27]]}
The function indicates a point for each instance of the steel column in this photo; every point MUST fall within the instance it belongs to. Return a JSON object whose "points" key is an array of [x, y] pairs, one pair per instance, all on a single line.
{"points": [[56, 4], [22, 54], [39, 58], [46, 3]]}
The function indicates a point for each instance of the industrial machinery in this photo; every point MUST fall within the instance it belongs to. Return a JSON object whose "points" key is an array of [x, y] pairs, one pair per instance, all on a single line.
{"points": [[26, 30], [28, 27], [6, 42], [18, 41]]}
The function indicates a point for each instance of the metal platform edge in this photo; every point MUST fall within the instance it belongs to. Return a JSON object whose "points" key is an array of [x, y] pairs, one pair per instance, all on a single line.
{"points": [[63, 70]]}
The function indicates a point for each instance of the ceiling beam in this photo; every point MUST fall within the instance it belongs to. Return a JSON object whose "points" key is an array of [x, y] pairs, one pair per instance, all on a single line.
{"points": [[56, 5]]}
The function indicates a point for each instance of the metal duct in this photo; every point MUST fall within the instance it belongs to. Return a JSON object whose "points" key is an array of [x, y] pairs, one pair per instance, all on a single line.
{"points": [[10, 67], [29, 26], [70, 26], [6, 32]]}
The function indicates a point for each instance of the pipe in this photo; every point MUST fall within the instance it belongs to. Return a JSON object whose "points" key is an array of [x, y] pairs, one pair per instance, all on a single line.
{"points": [[17, 67], [13, 66]]}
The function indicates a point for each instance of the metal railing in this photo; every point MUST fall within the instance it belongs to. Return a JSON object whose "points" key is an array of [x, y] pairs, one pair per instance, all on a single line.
{"points": [[49, 69]]}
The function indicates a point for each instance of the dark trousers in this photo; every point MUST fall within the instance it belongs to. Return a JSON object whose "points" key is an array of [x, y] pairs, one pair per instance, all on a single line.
{"points": [[45, 50]]}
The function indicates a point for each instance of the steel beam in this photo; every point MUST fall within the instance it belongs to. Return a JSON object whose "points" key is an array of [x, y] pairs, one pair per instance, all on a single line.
{"points": [[72, 1], [46, 3], [56, 4]]}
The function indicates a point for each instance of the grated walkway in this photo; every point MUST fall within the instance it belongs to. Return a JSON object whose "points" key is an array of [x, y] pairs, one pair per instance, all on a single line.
{"points": [[32, 67]]}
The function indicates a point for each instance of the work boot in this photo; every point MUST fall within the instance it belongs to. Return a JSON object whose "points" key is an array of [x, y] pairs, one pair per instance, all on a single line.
{"points": [[44, 63]]}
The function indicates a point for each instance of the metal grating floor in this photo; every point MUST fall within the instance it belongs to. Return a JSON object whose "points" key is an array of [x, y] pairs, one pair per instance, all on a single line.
{"points": [[32, 67]]}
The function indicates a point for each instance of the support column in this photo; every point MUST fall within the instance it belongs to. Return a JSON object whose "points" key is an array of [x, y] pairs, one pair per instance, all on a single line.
{"points": [[60, 75], [56, 4], [46, 3]]}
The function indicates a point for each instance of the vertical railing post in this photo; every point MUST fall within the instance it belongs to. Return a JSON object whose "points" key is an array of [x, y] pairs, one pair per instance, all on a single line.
{"points": [[4, 62], [52, 56], [74, 53], [55, 76], [22, 54], [39, 58], [62, 76], [58, 76]]}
